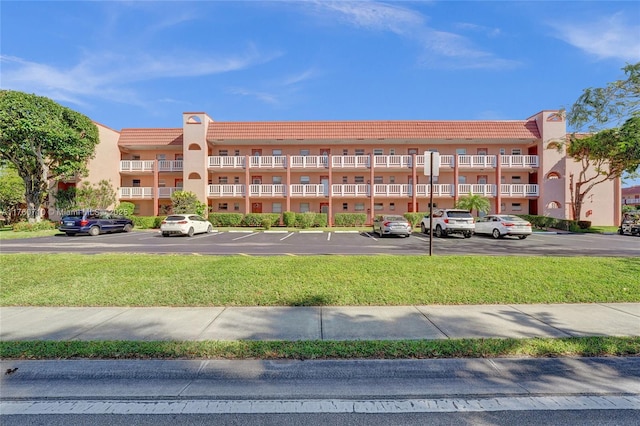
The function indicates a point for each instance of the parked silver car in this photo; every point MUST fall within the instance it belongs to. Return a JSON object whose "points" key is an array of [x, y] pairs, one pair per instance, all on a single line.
{"points": [[499, 225], [391, 225]]}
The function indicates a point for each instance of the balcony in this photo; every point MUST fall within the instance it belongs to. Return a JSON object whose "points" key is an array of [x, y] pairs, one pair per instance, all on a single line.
{"points": [[231, 190], [439, 190], [631, 201], [519, 161], [167, 192], [486, 190], [392, 190], [135, 193], [519, 190], [268, 162], [309, 162], [350, 190], [274, 190], [137, 166], [309, 190], [218, 162], [169, 165], [350, 162], [392, 161]]}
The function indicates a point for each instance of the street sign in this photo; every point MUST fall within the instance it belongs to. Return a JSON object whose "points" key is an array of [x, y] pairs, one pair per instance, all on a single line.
{"points": [[430, 158]]}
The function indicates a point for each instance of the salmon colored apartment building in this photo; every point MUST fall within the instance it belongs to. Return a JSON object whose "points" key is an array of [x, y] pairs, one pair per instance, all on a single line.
{"points": [[371, 167]]}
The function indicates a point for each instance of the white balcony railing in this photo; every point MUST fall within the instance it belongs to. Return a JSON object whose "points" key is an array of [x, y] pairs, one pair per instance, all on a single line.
{"points": [[309, 161], [350, 161], [167, 192], [136, 192], [519, 161], [446, 161], [486, 190], [272, 190], [170, 165], [477, 161], [392, 190], [268, 162], [136, 165], [232, 190], [519, 190], [224, 162], [392, 161], [631, 201], [309, 190], [439, 190], [350, 190]]}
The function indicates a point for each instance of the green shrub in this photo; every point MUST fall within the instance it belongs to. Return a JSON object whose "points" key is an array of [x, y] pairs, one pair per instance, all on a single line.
{"points": [[305, 220], [289, 219], [147, 222], [321, 220], [226, 219], [266, 223], [350, 219], [414, 218], [584, 224], [37, 226], [256, 219], [125, 208]]}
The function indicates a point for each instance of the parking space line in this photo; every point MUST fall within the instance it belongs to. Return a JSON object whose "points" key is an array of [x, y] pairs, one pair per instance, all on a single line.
{"points": [[245, 236], [371, 236], [284, 238], [329, 236]]}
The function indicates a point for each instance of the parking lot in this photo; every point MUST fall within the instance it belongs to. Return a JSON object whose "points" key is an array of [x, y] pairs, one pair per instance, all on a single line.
{"points": [[266, 243]]}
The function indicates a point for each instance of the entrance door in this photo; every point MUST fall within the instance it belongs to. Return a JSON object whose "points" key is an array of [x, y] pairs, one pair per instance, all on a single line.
{"points": [[324, 208], [324, 181], [256, 207], [256, 152]]}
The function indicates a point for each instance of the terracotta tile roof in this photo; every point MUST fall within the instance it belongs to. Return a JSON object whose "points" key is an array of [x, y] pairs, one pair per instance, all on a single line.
{"points": [[130, 137], [374, 130], [632, 190]]}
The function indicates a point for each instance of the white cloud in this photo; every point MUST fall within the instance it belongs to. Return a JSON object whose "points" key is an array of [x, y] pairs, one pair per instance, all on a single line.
{"points": [[607, 37], [265, 97], [441, 49]]}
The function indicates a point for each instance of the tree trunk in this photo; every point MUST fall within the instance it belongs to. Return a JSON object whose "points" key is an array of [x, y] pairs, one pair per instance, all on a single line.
{"points": [[33, 197]]}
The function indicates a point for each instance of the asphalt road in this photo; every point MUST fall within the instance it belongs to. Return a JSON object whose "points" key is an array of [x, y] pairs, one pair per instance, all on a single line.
{"points": [[329, 243]]}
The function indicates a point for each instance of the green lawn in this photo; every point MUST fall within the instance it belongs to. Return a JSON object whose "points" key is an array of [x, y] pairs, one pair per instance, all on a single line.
{"points": [[168, 280]]}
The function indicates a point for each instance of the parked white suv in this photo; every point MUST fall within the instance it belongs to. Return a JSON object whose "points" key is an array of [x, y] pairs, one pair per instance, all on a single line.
{"points": [[449, 221]]}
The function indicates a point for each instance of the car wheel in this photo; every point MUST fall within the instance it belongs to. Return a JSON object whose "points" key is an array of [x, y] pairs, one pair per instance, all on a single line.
{"points": [[439, 232], [70, 234], [127, 228], [165, 234], [190, 232], [495, 233], [94, 230], [423, 228], [522, 237], [467, 234], [209, 229]]}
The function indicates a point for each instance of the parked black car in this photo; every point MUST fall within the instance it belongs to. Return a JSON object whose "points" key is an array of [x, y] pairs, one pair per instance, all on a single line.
{"points": [[94, 222]]}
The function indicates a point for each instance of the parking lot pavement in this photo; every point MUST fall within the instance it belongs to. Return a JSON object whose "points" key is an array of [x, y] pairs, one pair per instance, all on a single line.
{"points": [[277, 242]]}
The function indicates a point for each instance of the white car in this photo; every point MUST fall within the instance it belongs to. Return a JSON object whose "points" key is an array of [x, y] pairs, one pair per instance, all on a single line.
{"points": [[185, 224], [499, 225], [449, 221]]}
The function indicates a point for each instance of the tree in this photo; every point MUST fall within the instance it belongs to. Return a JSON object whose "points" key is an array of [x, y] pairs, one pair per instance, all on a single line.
{"points": [[11, 194], [473, 202], [604, 153], [187, 202], [98, 196], [44, 141]]}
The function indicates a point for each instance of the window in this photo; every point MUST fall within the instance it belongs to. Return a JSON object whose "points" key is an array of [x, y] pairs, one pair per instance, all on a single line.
{"points": [[222, 179], [276, 207], [236, 179], [276, 152], [304, 180], [516, 207], [378, 179], [345, 179], [392, 206], [136, 183], [378, 151], [236, 152], [516, 179], [304, 207], [136, 208], [392, 151], [304, 152], [161, 157], [277, 180], [345, 207], [359, 207], [359, 179], [378, 206], [503, 207], [135, 157], [345, 152], [161, 183], [462, 180], [223, 152], [503, 151], [392, 179], [359, 151], [222, 206], [236, 207], [256, 180], [516, 151], [553, 205], [482, 179], [553, 175], [461, 151]]}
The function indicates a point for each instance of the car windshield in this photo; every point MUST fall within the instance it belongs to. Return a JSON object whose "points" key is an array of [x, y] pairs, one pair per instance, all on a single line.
{"points": [[465, 215], [175, 217]]}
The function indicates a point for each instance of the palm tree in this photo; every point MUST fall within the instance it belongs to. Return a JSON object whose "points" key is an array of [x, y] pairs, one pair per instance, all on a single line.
{"points": [[473, 202]]}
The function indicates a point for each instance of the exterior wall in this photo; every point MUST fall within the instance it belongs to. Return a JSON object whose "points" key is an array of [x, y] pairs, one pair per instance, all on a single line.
{"points": [[631, 196], [195, 150]]}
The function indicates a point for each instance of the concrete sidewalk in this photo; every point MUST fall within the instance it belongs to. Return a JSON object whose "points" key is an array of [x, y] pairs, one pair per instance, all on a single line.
{"points": [[320, 323]]}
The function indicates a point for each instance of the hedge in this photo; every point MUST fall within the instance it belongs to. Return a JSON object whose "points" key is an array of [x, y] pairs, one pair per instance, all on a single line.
{"points": [[258, 219], [226, 219], [147, 222], [544, 222], [350, 219], [36, 226]]}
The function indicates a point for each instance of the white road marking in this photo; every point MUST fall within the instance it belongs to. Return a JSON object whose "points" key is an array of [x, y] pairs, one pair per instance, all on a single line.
{"points": [[284, 238], [245, 236], [385, 406], [329, 236]]}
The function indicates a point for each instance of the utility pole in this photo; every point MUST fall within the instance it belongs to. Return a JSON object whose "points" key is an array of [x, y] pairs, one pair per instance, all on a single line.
{"points": [[431, 169]]}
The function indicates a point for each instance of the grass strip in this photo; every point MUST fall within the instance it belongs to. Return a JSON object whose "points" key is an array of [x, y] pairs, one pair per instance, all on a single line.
{"points": [[319, 349], [179, 280]]}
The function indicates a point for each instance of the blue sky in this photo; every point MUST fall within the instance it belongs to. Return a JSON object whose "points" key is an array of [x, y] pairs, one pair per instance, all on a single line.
{"points": [[143, 63]]}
